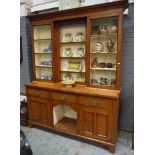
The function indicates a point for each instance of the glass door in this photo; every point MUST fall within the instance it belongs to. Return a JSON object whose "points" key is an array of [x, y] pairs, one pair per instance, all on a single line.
{"points": [[43, 52], [103, 51]]}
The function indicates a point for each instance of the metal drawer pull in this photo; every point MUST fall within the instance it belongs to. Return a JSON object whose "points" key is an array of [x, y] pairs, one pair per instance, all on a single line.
{"points": [[94, 103], [37, 93], [63, 97]]}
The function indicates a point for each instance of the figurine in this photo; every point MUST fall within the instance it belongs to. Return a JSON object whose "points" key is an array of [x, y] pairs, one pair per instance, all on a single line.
{"points": [[109, 45], [95, 63]]}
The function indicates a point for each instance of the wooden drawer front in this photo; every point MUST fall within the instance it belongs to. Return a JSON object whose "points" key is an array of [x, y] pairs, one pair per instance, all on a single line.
{"points": [[96, 102], [64, 97], [38, 93]]}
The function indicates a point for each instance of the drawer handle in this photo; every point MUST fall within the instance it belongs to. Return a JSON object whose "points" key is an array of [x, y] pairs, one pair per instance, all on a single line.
{"points": [[63, 97], [94, 103], [37, 93]]}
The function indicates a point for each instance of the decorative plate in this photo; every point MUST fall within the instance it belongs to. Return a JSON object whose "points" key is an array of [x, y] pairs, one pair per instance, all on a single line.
{"points": [[68, 37], [74, 66], [80, 52], [68, 52], [79, 37]]}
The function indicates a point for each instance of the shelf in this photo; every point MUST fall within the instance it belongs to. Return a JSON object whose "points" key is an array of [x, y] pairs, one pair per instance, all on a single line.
{"points": [[72, 72], [43, 66], [67, 124], [72, 57], [83, 42], [42, 39], [42, 53], [103, 69], [103, 52], [103, 36]]}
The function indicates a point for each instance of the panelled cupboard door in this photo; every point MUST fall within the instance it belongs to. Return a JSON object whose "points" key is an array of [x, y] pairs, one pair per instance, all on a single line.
{"points": [[95, 122], [39, 111], [44, 113], [34, 110]]}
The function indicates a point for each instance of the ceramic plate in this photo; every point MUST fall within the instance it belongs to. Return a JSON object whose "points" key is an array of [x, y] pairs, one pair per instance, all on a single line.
{"points": [[74, 66], [68, 37], [80, 52], [79, 37], [68, 52]]}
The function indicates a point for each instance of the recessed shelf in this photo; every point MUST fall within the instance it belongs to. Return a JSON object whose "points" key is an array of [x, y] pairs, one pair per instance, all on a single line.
{"points": [[83, 42], [72, 57], [42, 39], [67, 124], [103, 69], [43, 66], [72, 72], [103, 36], [103, 52], [43, 53]]}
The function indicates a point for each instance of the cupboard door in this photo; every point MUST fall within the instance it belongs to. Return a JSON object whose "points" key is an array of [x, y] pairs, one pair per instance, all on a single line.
{"points": [[103, 124], [39, 111], [44, 113], [34, 110], [86, 121], [95, 123]]}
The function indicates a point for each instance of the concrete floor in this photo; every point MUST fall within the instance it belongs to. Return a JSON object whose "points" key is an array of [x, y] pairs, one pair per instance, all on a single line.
{"points": [[47, 143]]}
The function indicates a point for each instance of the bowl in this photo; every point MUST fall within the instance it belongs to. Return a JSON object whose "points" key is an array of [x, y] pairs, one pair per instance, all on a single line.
{"points": [[68, 83]]}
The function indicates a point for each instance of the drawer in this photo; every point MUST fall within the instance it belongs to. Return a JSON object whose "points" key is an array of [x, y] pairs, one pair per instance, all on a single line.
{"points": [[96, 102], [64, 97], [38, 93]]}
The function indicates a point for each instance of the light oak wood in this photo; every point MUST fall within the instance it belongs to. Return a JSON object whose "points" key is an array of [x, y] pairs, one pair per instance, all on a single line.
{"points": [[96, 106]]}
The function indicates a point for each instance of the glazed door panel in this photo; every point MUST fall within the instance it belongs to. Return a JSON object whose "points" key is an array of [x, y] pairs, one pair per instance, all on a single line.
{"points": [[34, 110]]}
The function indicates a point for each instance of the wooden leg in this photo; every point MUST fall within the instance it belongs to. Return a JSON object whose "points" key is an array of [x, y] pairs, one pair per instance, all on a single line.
{"points": [[111, 148], [30, 125]]}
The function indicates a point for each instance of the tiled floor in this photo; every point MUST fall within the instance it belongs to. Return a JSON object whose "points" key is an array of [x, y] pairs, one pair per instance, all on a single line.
{"points": [[47, 143]]}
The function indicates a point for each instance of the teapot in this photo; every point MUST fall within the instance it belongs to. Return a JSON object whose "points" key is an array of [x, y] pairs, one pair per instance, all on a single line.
{"points": [[109, 45]]}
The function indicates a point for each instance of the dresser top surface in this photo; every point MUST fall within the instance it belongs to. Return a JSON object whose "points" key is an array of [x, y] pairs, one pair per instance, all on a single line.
{"points": [[77, 89]]}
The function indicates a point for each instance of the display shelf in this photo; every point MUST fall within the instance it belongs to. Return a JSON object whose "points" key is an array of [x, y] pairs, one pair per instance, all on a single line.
{"points": [[104, 69], [72, 57], [103, 36], [43, 66], [43, 52], [67, 124], [48, 39], [72, 71], [83, 42], [103, 52]]}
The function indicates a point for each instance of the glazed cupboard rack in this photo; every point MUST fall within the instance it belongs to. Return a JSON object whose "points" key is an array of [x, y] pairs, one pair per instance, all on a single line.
{"points": [[85, 50]]}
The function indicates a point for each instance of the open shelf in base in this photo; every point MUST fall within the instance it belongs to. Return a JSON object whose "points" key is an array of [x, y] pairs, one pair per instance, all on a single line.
{"points": [[67, 124]]}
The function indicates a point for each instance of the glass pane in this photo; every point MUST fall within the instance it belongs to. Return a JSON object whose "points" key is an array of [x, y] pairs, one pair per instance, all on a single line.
{"points": [[72, 52], [43, 52], [103, 51]]}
